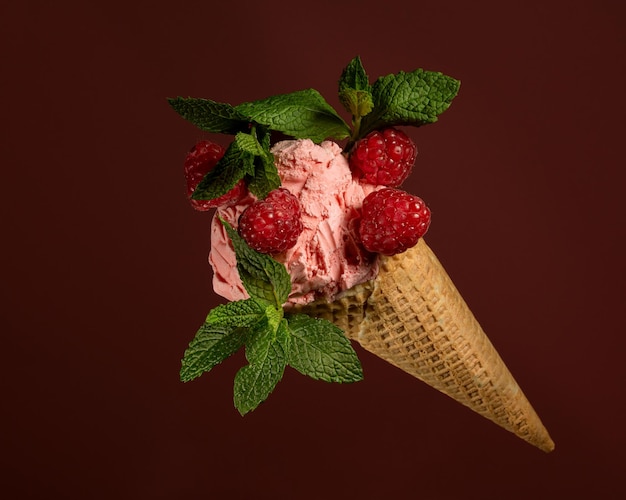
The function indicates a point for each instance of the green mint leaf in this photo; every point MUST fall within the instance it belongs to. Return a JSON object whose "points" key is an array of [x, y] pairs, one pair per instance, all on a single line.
{"points": [[211, 346], [238, 314], [266, 177], [249, 144], [264, 137], [267, 357], [232, 167], [415, 98], [354, 76], [209, 115], [354, 89], [320, 350], [302, 114], [274, 317], [265, 279], [283, 335]]}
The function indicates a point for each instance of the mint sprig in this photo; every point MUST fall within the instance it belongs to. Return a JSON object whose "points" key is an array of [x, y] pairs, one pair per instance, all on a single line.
{"points": [[415, 98], [272, 341], [266, 177], [246, 157], [300, 114]]}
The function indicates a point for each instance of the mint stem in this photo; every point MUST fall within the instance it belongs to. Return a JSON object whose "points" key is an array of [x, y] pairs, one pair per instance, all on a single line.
{"points": [[356, 128], [356, 121]]}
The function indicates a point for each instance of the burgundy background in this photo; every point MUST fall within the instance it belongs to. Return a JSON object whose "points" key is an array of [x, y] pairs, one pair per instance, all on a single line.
{"points": [[104, 264]]}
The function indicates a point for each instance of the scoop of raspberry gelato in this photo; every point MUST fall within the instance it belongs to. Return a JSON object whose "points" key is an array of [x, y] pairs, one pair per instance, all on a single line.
{"points": [[327, 258]]}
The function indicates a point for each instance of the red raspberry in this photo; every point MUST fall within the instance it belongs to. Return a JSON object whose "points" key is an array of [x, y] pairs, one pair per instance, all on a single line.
{"points": [[383, 157], [200, 160], [272, 225], [392, 221]]}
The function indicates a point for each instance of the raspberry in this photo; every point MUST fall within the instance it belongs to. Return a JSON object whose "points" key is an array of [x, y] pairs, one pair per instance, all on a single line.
{"points": [[200, 160], [383, 157], [392, 221], [272, 225]]}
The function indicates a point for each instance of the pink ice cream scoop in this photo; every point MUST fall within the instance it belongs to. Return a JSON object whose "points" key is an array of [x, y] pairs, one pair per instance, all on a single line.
{"points": [[327, 257]]}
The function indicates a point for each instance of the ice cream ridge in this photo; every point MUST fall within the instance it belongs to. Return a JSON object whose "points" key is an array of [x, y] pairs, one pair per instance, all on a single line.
{"points": [[315, 245]]}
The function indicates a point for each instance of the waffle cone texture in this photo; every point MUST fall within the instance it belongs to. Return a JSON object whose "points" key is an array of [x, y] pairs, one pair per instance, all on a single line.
{"points": [[413, 316]]}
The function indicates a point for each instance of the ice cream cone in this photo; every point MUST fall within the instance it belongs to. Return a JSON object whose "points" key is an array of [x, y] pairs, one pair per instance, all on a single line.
{"points": [[413, 316]]}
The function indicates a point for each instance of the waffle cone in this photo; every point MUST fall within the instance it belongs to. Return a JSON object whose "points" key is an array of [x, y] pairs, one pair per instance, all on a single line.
{"points": [[413, 316]]}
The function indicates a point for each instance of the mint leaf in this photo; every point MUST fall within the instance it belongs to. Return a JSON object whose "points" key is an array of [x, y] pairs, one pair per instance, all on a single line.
{"points": [[354, 89], [209, 115], [302, 114], [267, 358], [232, 167], [354, 76], [320, 350], [265, 279], [211, 346], [274, 317], [266, 177], [415, 98], [283, 335], [249, 144], [241, 313]]}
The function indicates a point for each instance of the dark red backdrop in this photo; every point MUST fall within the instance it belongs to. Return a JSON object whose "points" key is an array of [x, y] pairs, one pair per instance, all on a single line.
{"points": [[104, 264]]}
